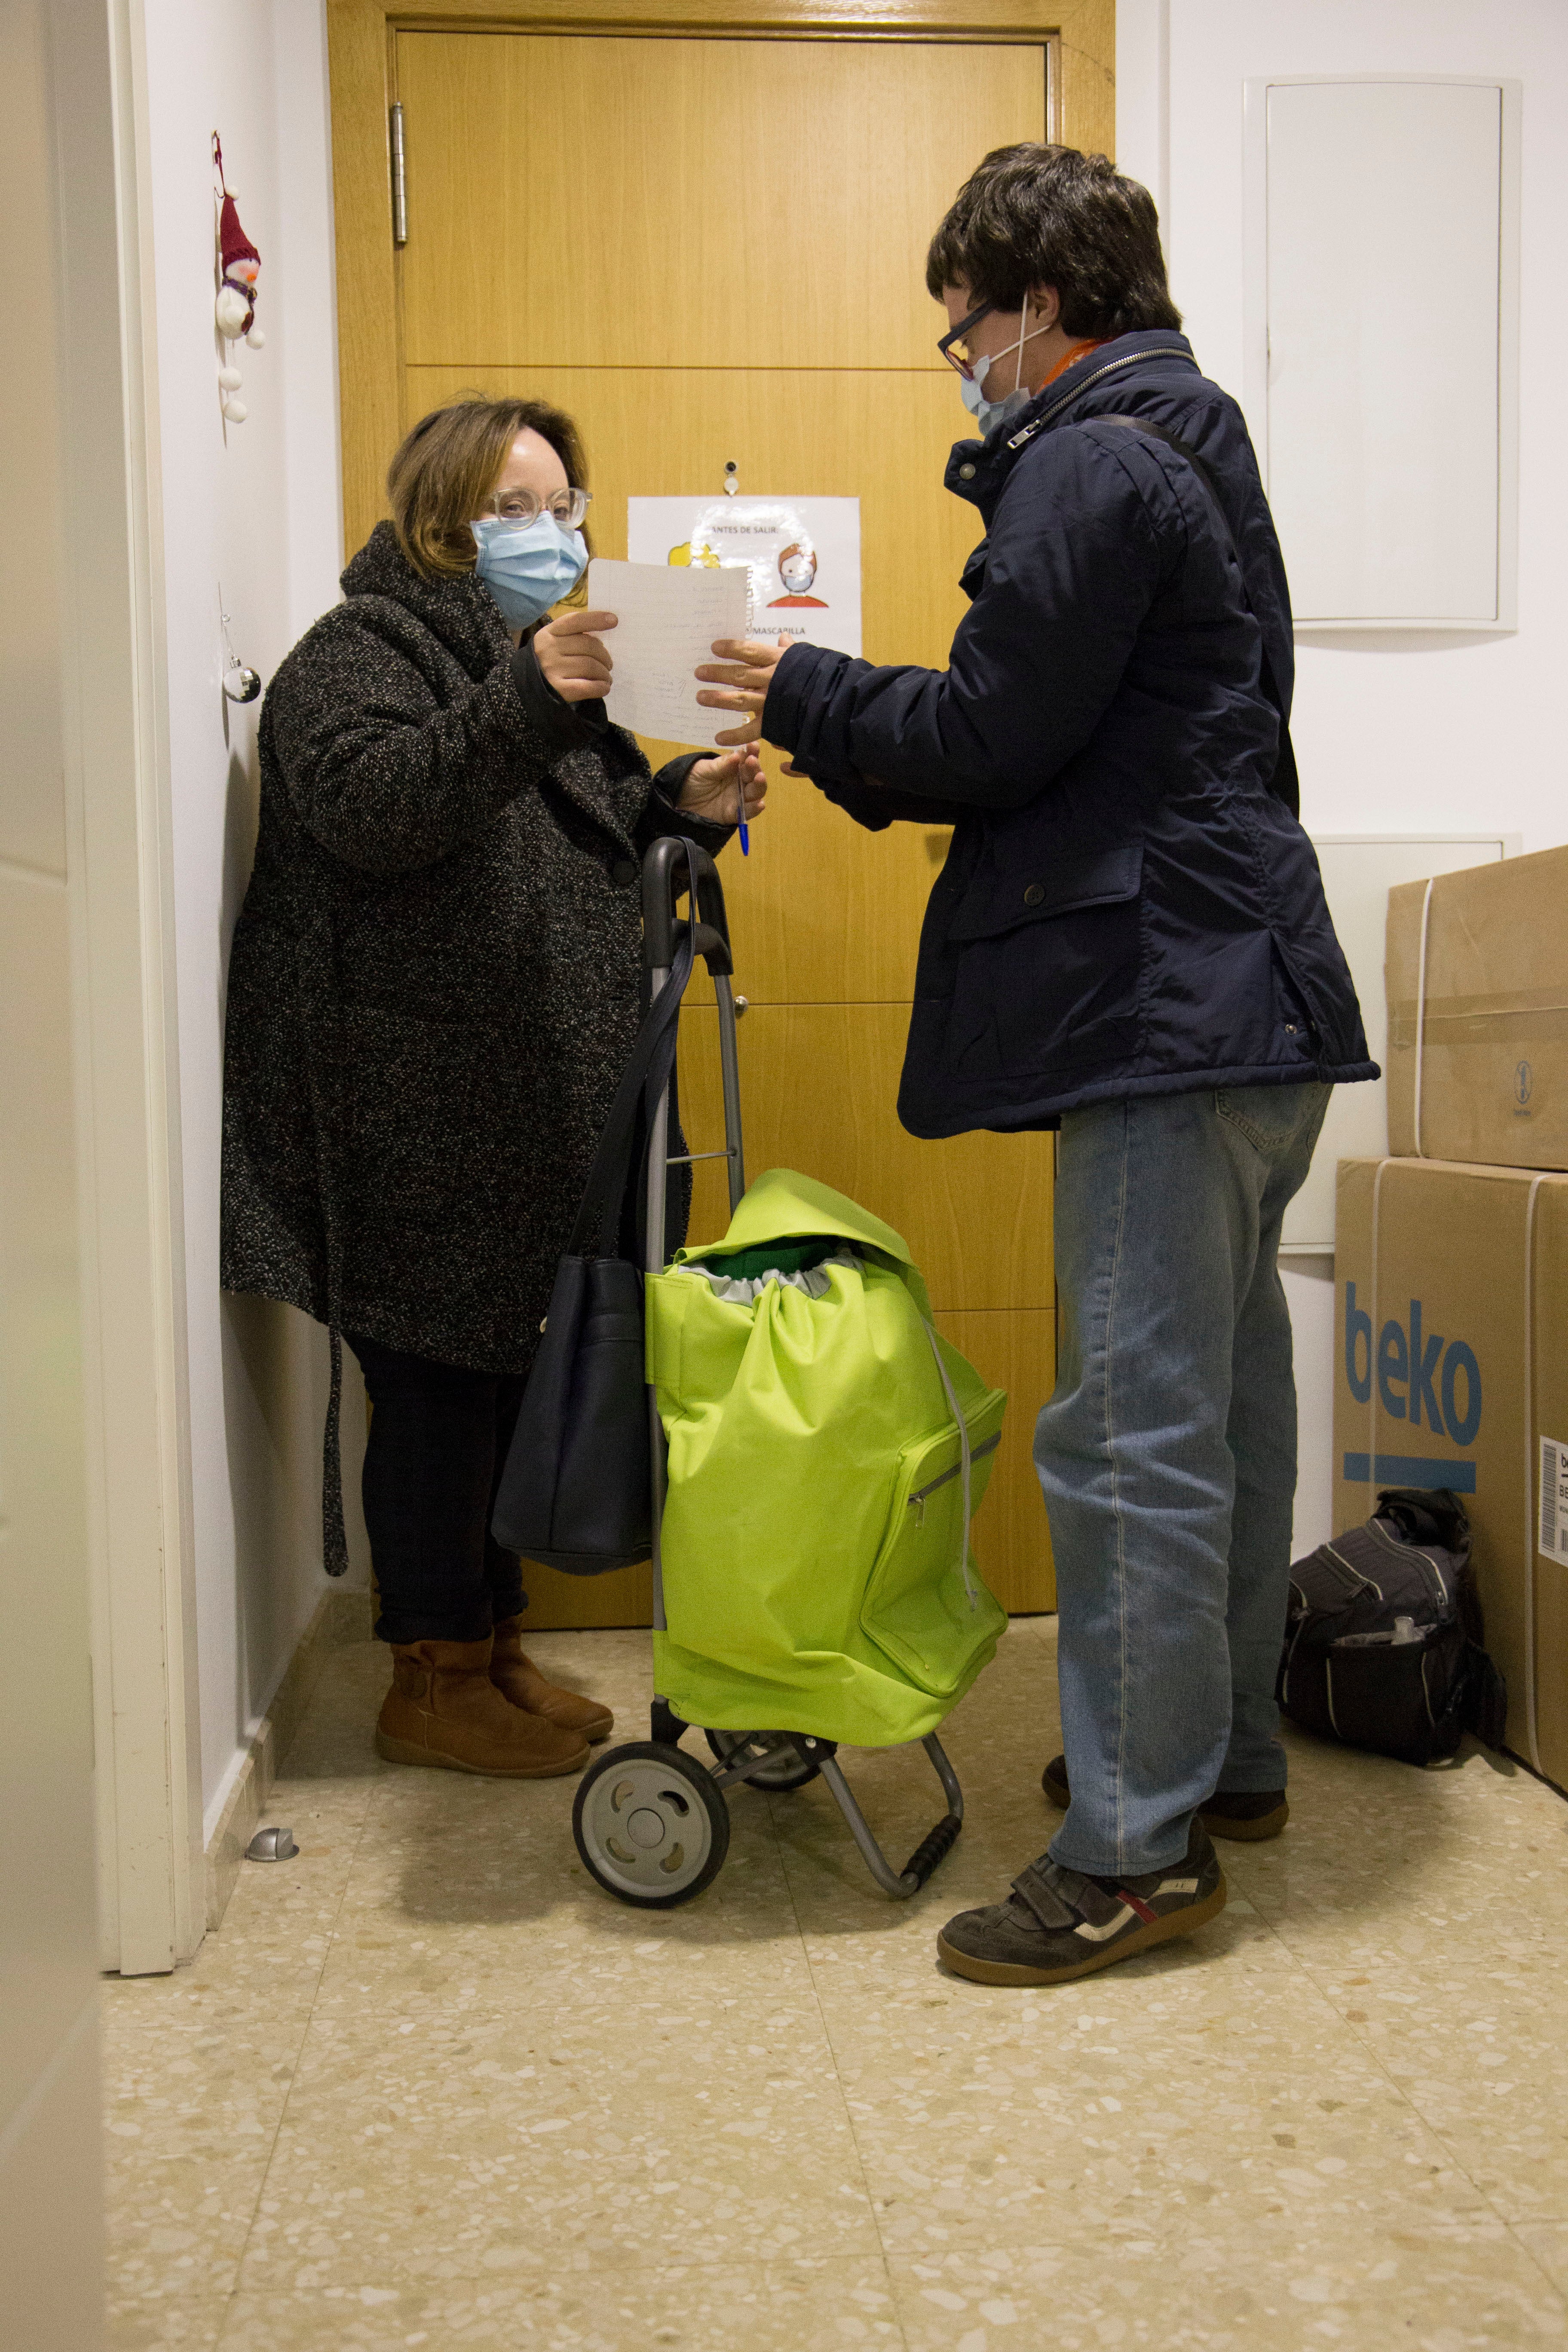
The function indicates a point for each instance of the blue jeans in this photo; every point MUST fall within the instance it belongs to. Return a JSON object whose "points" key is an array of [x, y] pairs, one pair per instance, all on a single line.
{"points": [[1167, 1455]]}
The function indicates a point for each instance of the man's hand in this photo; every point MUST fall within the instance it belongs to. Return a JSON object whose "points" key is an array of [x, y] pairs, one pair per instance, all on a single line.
{"points": [[726, 790], [572, 658], [740, 681]]}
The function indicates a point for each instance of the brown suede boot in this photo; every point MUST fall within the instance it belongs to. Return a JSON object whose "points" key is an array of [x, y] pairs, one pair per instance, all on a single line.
{"points": [[444, 1709], [526, 1687]]}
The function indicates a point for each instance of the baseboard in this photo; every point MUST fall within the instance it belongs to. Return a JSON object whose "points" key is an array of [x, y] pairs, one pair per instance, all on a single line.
{"points": [[340, 1618]]}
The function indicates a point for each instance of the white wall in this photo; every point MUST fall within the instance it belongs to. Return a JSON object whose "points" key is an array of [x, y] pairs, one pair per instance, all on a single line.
{"points": [[257, 508], [1421, 733]]}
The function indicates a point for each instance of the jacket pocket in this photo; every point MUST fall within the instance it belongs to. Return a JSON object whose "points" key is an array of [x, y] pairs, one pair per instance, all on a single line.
{"points": [[1050, 966], [998, 903], [916, 1608]]}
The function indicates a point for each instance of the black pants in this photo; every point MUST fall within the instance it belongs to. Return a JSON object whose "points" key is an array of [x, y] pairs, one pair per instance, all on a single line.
{"points": [[438, 1441]]}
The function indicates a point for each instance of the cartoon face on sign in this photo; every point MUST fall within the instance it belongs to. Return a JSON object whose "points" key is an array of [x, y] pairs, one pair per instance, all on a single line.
{"points": [[797, 570]]}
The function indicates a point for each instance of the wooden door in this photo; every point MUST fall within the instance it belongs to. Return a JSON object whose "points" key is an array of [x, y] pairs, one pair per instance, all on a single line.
{"points": [[710, 250]]}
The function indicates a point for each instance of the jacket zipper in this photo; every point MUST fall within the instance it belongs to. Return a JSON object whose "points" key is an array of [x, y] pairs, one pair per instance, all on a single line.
{"points": [[1132, 360], [916, 1501]]}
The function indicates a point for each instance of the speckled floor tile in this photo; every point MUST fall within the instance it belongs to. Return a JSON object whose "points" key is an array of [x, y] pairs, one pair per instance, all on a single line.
{"points": [[1421, 1855], [431, 2086], [198, 2064], [186, 2323], [1223, 2086], [696, 2306], [196, 2071], [1469, 2288], [1547, 2241], [1432, 1910], [485, 1876], [281, 1914], [178, 2225], [1477, 2044], [448, 2133]]}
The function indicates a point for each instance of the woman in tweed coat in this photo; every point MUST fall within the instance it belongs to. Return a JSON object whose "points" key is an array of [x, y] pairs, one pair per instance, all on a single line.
{"points": [[432, 992]]}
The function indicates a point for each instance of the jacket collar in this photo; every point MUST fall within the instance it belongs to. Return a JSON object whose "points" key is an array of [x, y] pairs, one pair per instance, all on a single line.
{"points": [[457, 610], [465, 618], [978, 469]]}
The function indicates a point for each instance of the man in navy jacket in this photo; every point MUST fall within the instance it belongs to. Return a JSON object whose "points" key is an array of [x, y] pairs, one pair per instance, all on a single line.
{"points": [[1128, 942]]}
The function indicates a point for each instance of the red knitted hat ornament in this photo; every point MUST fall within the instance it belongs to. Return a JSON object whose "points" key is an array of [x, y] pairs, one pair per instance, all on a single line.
{"points": [[239, 267]]}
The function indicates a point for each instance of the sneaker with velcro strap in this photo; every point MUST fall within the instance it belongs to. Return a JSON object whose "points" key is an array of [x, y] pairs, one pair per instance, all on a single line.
{"points": [[1057, 1922]]}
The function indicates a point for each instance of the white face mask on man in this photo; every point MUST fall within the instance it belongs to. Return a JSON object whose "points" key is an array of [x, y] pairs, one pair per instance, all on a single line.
{"points": [[989, 413]]}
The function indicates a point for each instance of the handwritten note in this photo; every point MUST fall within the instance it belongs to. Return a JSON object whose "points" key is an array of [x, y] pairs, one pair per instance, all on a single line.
{"points": [[668, 616]]}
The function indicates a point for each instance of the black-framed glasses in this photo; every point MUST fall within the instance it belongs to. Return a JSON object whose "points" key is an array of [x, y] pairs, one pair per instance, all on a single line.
{"points": [[566, 507], [954, 346]]}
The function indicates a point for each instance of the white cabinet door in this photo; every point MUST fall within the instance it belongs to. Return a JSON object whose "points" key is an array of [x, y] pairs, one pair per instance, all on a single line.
{"points": [[1388, 325]]}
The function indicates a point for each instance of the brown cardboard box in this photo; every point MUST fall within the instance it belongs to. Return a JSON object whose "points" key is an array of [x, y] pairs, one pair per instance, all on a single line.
{"points": [[1485, 1035], [1432, 1388]]}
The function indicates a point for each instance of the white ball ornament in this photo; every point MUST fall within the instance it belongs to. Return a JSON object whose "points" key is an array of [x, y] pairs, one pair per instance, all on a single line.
{"points": [[255, 339], [229, 379], [232, 311], [235, 410]]}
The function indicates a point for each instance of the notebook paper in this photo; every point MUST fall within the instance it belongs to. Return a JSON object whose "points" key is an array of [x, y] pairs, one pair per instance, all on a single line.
{"points": [[669, 615]]}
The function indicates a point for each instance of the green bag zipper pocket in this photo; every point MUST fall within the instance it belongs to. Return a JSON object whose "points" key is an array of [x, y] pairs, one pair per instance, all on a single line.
{"points": [[916, 1598]]}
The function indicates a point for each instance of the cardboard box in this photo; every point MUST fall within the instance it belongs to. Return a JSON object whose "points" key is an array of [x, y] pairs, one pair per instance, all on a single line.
{"points": [[1477, 1042], [1451, 1369]]}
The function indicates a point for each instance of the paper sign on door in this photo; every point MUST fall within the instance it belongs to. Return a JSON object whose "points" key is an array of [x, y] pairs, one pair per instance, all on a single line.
{"points": [[801, 558]]}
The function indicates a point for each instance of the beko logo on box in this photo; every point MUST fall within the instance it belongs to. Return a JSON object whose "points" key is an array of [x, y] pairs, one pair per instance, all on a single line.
{"points": [[1423, 1378]]}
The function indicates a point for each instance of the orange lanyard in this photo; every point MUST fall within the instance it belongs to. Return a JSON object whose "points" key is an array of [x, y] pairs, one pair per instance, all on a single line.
{"points": [[1069, 359]]}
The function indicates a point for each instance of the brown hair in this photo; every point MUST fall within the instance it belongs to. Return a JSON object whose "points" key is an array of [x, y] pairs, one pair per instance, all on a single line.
{"points": [[449, 463], [1032, 215]]}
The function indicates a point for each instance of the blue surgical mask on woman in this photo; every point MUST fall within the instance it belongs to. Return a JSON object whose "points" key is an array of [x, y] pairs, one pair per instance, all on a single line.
{"points": [[528, 566]]}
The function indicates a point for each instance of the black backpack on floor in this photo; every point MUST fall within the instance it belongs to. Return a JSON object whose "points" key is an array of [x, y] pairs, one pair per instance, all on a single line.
{"points": [[1383, 1641]]}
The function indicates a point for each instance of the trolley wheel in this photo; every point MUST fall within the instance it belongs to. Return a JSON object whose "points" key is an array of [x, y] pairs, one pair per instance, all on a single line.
{"points": [[649, 1824], [787, 1771]]}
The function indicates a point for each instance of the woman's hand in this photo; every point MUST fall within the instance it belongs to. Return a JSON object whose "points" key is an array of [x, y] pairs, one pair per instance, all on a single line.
{"points": [[714, 788], [741, 678], [572, 658]]}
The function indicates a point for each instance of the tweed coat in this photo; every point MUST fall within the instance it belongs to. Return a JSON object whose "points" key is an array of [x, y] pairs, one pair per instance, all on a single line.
{"points": [[434, 979]]}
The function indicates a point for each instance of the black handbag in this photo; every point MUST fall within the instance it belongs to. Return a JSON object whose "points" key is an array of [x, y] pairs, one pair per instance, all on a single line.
{"points": [[575, 1492]]}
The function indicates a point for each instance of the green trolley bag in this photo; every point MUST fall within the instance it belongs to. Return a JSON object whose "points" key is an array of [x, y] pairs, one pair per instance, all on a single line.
{"points": [[817, 1576], [816, 1455]]}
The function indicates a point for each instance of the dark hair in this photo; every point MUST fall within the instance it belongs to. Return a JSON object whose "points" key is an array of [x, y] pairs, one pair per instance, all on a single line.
{"points": [[449, 463], [1033, 215]]}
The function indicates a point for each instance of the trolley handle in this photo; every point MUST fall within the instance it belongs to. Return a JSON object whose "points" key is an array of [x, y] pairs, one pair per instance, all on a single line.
{"points": [[664, 880]]}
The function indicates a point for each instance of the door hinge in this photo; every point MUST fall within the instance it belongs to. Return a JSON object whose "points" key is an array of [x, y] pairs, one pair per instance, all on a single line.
{"points": [[399, 181]]}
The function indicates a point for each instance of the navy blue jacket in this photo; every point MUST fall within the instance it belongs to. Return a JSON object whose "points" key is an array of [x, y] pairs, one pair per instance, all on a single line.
{"points": [[1127, 906]]}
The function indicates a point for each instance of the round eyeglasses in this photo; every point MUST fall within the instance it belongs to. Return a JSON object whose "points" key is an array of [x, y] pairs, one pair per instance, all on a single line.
{"points": [[564, 508]]}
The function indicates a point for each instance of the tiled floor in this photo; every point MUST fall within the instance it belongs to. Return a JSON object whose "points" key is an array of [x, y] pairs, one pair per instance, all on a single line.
{"points": [[429, 2087]]}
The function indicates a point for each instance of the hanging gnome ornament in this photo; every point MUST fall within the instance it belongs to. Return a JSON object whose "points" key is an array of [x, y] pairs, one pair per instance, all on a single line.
{"points": [[239, 265]]}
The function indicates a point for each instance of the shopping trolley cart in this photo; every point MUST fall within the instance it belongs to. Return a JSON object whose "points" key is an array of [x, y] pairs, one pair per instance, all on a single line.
{"points": [[651, 1820]]}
